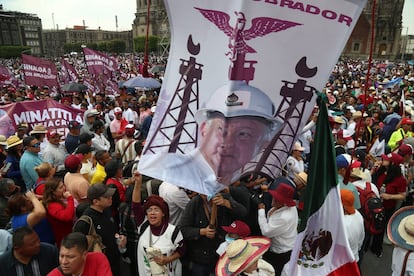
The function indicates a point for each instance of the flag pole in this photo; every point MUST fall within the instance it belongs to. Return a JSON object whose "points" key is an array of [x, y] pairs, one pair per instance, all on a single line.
{"points": [[145, 65]]}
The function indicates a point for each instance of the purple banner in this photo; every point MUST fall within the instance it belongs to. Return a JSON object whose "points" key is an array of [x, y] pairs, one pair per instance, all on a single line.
{"points": [[99, 64], [69, 73], [49, 113], [39, 72]]}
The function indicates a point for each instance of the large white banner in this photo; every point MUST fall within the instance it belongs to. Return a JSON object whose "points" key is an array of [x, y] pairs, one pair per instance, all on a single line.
{"points": [[241, 81]]}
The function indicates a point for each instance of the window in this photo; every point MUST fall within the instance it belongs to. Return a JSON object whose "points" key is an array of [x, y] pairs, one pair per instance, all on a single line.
{"points": [[356, 47]]}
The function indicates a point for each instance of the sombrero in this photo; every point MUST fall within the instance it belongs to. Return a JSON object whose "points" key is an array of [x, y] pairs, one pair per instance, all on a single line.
{"points": [[240, 254], [400, 228]]}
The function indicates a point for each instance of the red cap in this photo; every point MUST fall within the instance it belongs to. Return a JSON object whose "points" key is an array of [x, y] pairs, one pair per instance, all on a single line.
{"points": [[284, 194], [238, 227], [72, 162], [51, 133], [405, 149], [394, 158], [406, 121]]}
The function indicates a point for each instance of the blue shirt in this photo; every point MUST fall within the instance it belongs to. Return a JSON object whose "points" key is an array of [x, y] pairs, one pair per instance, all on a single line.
{"points": [[28, 162]]}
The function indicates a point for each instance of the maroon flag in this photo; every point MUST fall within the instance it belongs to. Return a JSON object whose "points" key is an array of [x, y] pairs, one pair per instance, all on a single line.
{"points": [[69, 73], [7, 77], [99, 64], [49, 113], [39, 72], [102, 68]]}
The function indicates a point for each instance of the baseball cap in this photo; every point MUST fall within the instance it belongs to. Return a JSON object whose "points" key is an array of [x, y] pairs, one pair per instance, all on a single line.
{"points": [[238, 227], [117, 110], [84, 149], [344, 160], [98, 190], [52, 133], [406, 121], [72, 162], [394, 158], [74, 124], [85, 137], [93, 112], [405, 149], [237, 99]]}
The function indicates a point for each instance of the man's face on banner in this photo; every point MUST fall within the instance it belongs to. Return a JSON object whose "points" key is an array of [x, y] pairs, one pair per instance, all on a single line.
{"points": [[228, 144]]}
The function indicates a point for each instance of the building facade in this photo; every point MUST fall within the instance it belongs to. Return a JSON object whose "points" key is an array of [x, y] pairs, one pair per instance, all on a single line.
{"points": [[387, 31], [157, 25], [54, 40], [21, 29]]}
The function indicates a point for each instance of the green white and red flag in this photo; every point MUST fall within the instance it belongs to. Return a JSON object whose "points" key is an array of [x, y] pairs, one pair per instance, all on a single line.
{"points": [[321, 247]]}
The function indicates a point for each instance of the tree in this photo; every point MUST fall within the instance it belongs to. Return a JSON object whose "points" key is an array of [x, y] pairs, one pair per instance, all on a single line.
{"points": [[13, 51]]}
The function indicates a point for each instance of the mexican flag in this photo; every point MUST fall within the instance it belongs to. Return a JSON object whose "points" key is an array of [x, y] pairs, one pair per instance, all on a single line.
{"points": [[321, 246]]}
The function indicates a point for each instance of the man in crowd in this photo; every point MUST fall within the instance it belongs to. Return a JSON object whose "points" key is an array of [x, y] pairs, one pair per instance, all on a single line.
{"points": [[55, 152], [30, 159], [75, 259], [72, 138], [100, 197], [29, 256], [102, 157]]}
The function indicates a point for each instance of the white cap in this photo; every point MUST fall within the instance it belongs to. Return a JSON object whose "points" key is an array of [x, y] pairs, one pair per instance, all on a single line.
{"points": [[238, 99], [117, 110]]}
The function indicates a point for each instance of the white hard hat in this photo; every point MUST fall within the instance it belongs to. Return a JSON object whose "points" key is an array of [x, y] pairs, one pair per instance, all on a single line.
{"points": [[238, 99]]}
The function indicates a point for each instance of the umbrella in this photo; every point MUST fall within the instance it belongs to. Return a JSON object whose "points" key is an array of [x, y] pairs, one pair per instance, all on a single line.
{"points": [[148, 83], [157, 69], [74, 87]]}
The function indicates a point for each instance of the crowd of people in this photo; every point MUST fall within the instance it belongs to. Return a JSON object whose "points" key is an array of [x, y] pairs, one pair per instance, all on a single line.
{"points": [[60, 194]]}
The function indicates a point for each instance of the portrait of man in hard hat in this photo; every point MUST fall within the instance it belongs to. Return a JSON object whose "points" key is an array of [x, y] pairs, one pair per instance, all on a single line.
{"points": [[234, 125]]}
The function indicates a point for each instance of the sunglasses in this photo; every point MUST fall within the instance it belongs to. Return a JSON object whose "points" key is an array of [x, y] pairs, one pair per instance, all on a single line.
{"points": [[36, 145]]}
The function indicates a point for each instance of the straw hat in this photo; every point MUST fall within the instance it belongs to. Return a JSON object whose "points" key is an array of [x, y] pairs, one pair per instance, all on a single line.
{"points": [[302, 177], [400, 228], [13, 141], [356, 172], [3, 140], [38, 129], [240, 254]]}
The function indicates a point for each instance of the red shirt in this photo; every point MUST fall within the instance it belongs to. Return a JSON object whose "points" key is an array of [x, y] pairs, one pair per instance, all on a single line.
{"points": [[61, 218], [398, 185], [96, 264]]}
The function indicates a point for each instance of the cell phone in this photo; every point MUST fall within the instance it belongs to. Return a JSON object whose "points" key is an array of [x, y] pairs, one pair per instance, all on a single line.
{"points": [[6, 168]]}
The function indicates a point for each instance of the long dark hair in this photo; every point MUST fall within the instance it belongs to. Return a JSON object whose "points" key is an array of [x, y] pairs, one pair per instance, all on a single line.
{"points": [[393, 172], [49, 194]]}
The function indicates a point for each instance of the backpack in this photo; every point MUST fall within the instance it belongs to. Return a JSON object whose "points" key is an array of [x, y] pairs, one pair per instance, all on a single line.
{"points": [[94, 239], [128, 167], [372, 210]]}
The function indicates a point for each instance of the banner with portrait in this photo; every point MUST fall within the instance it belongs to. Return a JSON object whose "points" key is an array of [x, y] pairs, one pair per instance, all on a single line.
{"points": [[49, 113], [241, 81]]}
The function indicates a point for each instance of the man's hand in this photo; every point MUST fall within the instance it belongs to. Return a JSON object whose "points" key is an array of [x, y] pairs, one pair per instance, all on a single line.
{"points": [[220, 201], [208, 232]]}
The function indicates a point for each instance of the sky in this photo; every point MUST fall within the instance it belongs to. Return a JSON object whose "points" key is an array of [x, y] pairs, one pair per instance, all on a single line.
{"points": [[101, 13]]}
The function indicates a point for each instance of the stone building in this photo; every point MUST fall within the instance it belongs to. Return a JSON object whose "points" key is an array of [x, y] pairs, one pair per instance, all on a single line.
{"points": [[21, 29], [158, 23], [54, 40], [387, 31]]}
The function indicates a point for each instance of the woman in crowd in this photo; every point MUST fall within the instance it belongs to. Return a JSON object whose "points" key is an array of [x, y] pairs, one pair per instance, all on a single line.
{"points": [[161, 244], [14, 153], [45, 171], [27, 210], [392, 186], [60, 208]]}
